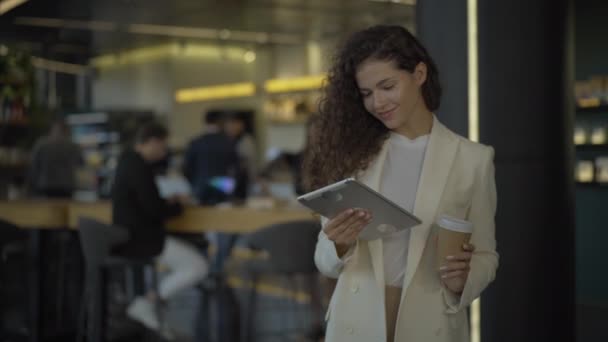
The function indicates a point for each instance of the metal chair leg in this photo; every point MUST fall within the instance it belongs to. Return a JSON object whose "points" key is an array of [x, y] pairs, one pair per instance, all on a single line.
{"points": [[82, 313], [159, 310]]}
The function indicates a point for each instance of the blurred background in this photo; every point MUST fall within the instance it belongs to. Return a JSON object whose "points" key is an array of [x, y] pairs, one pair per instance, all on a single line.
{"points": [[529, 78]]}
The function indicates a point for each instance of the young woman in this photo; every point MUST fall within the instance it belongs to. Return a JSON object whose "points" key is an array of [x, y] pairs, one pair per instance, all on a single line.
{"points": [[377, 124]]}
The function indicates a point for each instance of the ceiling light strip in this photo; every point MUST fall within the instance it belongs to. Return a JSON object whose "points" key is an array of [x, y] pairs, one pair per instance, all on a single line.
{"points": [[283, 85], [217, 92], [164, 30], [7, 5], [61, 67]]}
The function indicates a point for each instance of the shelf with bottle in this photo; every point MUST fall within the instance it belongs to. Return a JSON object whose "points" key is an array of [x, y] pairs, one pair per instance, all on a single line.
{"points": [[602, 185], [599, 108], [592, 148], [591, 135], [591, 95], [592, 172]]}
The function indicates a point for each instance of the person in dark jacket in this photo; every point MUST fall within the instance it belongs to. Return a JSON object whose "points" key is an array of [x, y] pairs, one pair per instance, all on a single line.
{"points": [[54, 162], [210, 157], [137, 206]]}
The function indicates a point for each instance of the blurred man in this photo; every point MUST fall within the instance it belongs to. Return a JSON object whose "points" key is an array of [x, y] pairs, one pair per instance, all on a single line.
{"points": [[208, 159], [237, 130], [54, 162], [137, 205]]}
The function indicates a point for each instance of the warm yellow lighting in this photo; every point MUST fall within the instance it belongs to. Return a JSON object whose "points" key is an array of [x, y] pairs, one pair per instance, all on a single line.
{"points": [[173, 31], [589, 102], [147, 54], [473, 92], [473, 71], [249, 57], [215, 92], [476, 320], [7, 5], [133, 56], [295, 84]]}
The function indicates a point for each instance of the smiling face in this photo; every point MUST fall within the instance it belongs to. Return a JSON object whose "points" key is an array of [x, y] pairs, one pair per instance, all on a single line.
{"points": [[392, 95]]}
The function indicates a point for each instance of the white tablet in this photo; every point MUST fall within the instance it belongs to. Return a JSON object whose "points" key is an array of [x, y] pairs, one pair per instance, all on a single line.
{"points": [[387, 217]]}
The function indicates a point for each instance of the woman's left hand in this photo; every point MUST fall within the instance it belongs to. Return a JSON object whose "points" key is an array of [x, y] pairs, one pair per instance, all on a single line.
{"points": [[455, 271]]}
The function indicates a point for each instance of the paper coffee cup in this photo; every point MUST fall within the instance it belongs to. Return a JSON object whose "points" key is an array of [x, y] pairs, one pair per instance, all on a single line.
{"points": [[452, 234]]}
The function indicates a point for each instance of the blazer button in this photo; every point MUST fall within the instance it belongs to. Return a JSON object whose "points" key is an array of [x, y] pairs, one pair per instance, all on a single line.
{"points": [[355, 288], [351, 330]]}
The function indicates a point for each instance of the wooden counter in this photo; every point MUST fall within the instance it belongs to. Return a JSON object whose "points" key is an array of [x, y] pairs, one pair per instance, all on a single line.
{"points": [[45, 214], [232, 220], [59, 214]]}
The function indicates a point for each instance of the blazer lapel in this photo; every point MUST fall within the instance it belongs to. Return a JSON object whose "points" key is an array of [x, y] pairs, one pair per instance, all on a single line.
{"points": [[438, 160], [372, 177]]}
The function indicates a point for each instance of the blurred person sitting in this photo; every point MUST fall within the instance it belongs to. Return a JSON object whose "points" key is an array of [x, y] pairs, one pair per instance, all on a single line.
{"points": [[236, 129], [54, 162], [209, 159], [138, 206], [292, 161]]}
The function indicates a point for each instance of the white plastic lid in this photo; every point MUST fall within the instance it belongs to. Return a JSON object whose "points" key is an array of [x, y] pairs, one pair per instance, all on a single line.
{"points": [[454, 224]]}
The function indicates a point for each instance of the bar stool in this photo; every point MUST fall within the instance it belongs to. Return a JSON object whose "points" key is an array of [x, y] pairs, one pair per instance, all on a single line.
{"points": [[290, 248], [13, 246], [97, 240]]}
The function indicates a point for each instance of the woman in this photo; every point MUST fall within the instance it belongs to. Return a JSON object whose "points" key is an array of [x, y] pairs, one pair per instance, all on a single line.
{"points": [[377, 124]]}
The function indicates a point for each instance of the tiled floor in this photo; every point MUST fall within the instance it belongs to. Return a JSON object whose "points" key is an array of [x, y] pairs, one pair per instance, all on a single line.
{"points": [[274, 318]]}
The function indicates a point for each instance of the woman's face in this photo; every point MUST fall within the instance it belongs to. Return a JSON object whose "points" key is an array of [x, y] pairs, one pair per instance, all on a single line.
{"points": [[390, 94]]}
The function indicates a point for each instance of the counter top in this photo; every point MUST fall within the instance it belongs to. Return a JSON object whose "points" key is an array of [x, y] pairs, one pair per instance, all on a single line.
{"points": [[49, 214]]}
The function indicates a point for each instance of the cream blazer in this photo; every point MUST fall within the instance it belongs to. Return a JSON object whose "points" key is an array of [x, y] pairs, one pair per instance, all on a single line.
{"points": [[457, 179]]}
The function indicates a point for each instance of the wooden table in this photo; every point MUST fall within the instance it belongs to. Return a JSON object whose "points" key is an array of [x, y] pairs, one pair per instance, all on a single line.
{"points": [[60, 214], [201, 219], [47, 214]]}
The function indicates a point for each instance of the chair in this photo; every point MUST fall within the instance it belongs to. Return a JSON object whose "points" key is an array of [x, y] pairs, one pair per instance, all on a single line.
{"points": [[13, 260], [97, 240], [290, 248], [217, 317]]}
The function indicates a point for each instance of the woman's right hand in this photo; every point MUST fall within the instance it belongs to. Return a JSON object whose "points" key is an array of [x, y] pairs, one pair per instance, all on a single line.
{"points": [[344, 228]]}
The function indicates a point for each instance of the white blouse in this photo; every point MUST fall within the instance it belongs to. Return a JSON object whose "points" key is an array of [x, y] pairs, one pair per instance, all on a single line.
{"points": [[400, 178]]}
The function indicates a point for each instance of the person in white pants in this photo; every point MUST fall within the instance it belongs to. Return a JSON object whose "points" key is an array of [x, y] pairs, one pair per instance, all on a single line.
{"points": [[187, 267]]}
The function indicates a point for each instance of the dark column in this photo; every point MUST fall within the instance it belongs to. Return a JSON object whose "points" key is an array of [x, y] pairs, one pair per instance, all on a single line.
{"points": [[524, 78], [526, 113], [441, 25]]}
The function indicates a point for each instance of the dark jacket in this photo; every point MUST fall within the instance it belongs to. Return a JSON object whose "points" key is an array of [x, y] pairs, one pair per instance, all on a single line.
{"points": [[54, 164], [208, 156], [137, 206]]}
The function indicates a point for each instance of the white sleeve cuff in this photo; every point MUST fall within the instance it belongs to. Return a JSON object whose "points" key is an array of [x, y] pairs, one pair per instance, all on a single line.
{"points": [[348, 256]]}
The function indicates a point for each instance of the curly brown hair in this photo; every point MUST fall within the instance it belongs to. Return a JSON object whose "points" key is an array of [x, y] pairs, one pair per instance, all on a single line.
{"points": [[345, 138]]}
